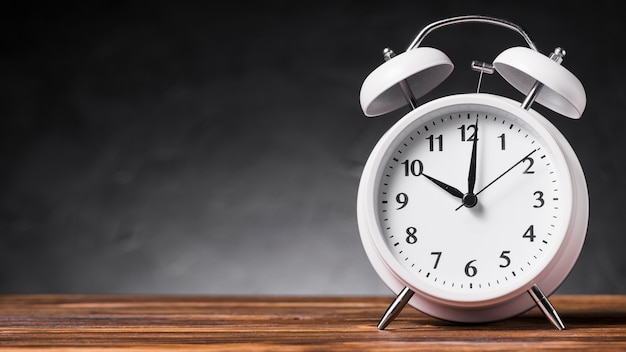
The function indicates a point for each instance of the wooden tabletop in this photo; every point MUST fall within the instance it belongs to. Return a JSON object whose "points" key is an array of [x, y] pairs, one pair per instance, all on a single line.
{"points": [[74, 322]]}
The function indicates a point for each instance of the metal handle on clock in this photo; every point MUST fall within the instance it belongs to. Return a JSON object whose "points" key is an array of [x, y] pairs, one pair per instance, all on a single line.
{"points": [[470, 19]]}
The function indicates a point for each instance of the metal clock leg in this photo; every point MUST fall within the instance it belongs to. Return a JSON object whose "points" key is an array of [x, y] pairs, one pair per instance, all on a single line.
{"points": [[546, 307], [395, 307]]}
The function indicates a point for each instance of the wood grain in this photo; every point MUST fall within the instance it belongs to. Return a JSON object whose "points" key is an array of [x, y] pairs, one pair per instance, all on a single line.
{"points": [[75, 322]]}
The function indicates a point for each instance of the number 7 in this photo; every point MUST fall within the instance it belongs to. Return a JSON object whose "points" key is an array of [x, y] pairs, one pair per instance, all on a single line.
{"points": [[438, 254]]}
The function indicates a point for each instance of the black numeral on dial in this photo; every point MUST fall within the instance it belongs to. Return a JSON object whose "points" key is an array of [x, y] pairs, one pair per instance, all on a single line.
{"points": [[507, 260], [470, 269], [432, 139], [464, 133], [539, 199], [413, 167], [502, 141], [531, 162], [410, 235], [530, 233], [402, 199], [438, 256]]}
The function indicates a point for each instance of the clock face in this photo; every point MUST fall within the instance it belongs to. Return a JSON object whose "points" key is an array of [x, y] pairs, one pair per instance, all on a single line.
{"points": [[471, 201]]}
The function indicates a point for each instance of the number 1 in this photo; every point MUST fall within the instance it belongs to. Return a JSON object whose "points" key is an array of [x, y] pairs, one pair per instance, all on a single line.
{"points": [[502, 142]]}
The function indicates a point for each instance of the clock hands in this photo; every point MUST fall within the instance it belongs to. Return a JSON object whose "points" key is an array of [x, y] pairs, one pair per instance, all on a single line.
{"points": [[502, 174], [453, 191], [469, 199]]}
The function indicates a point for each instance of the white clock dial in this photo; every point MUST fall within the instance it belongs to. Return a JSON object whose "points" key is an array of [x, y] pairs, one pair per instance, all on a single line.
{"points": [[496, 242], [468, 201]]}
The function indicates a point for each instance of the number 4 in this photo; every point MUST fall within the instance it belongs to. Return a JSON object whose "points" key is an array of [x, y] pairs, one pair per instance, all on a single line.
{"points": [[530, 233]]}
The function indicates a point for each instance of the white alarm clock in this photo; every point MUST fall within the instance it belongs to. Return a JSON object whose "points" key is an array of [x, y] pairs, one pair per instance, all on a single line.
{"points": [[472, 207]]}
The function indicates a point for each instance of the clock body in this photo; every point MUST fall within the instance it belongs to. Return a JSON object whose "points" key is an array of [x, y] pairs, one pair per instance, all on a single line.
{"points": [[472, 262]]}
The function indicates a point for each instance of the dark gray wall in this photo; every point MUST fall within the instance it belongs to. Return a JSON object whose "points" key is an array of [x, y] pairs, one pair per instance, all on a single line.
{"points": [[217, 149]]}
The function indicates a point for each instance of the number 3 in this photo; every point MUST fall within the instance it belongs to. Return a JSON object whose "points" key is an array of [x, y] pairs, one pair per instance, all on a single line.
{"points": [[539, 198]]}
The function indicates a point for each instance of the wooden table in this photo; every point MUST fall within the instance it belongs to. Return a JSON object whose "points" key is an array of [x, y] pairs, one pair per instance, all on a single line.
{"points": [[73, 322]]}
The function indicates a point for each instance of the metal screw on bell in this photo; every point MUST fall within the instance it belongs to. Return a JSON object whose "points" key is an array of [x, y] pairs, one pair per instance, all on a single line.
{"points": [[556, 56], [388, 54]]}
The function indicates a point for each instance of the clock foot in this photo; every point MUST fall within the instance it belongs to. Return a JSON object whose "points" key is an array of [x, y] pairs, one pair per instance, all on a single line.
{"points": [[546, 307], [395, 307]]}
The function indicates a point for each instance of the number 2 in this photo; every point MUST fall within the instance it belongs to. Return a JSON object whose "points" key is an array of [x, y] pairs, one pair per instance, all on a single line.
{"points": [[532, 162]]}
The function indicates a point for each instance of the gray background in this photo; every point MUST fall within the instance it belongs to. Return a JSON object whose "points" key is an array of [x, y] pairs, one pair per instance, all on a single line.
{"points": [[216, 149]]}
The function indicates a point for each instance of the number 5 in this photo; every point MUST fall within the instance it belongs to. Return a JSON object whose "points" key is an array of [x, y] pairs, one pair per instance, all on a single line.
{"points": [[506, 259]]}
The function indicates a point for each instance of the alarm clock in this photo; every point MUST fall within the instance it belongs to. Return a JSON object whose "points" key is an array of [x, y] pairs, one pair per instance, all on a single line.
{"points": [[473, 207]]}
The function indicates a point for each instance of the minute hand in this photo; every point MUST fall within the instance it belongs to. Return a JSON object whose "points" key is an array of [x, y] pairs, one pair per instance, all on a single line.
{"points": [[471, 177], [504, 173]]}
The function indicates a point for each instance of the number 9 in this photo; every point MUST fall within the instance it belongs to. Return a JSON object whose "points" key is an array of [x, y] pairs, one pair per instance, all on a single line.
{"points": [[402, 199]]}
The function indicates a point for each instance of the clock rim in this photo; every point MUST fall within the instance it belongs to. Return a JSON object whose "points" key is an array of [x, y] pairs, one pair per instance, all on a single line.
{"points": [[506, 305]]}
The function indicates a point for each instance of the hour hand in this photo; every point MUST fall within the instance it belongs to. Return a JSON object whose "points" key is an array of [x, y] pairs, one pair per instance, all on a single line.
{"points": [[446, 187]]}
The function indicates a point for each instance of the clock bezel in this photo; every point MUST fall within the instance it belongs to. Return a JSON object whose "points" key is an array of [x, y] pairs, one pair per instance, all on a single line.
{"points": [[508, 302]]}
